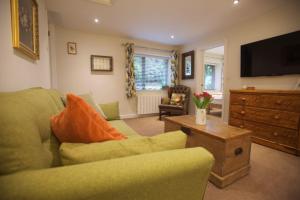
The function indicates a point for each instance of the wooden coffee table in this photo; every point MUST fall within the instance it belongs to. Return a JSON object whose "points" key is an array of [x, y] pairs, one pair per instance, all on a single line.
{"points": [[231, 146]]}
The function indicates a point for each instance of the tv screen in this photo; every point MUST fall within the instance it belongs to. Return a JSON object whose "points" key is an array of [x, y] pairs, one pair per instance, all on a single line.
{"points": [[271, 57]]}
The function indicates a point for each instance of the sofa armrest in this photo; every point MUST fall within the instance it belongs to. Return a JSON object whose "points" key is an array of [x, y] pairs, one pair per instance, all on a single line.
{"points": [[176, 174]]}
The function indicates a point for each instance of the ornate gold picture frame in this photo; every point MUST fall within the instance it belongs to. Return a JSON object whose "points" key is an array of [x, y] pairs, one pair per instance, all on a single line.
{"points": [[25, 27]]}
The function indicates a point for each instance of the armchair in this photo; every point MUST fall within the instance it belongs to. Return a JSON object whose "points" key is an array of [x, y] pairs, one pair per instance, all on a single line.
{"points": [[166, 108]]}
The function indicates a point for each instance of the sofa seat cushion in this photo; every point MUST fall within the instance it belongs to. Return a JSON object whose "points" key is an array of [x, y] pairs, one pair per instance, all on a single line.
{"points": [[75, 153], [121, 126], [26, 141], [79, 122]]}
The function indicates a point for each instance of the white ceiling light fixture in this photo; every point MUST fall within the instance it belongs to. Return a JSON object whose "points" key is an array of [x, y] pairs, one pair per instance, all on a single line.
{"points": [[235, 2], [102, 2], [172, 36], [96, 20]]}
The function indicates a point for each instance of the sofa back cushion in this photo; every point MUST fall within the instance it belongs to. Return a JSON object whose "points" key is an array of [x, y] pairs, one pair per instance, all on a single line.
{"points": [[26, 141], [88, 98], [111, 110]]}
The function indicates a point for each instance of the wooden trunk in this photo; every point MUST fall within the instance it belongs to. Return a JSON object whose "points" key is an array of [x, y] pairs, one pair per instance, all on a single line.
{"points": [[272, 115], [230, 146]]}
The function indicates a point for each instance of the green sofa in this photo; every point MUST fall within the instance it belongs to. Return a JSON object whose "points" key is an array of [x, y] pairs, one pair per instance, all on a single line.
{"points": [[30, 164]]}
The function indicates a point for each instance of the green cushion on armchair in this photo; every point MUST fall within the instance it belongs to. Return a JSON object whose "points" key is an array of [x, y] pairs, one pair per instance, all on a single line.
{"points": [[165, 100], [75, 153]]}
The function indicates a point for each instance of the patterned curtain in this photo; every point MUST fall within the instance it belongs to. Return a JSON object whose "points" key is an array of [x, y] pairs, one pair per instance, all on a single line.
{"points": [[130, 76], [174, 68]]}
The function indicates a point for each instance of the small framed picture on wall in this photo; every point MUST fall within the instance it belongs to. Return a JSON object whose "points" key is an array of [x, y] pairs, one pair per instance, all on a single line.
{"points": [[101, 63], [72, 48]]}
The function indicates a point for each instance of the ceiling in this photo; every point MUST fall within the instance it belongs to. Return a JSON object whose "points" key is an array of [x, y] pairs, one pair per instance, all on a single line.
{"points": [[157, 20], [216, 50]]}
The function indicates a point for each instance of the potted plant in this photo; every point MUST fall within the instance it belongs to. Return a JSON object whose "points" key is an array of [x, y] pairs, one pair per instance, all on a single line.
{"points": [[201, 100]]}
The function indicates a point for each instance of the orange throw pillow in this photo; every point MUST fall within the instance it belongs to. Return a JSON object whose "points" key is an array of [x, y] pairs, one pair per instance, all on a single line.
{"points": [[80, 123]]}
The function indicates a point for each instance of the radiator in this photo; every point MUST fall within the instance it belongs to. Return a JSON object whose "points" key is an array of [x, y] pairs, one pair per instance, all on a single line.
{"points": [[148, 104]]}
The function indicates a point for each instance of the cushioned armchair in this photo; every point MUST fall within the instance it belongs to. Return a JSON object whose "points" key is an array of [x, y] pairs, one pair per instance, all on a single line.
{"points": [[171, 106], [31, 159]]}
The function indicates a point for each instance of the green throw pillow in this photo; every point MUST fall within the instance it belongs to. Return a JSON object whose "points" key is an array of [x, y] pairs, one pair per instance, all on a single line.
{"points": [[89, 99], [111, 110], [165, 100], [75, 153]]}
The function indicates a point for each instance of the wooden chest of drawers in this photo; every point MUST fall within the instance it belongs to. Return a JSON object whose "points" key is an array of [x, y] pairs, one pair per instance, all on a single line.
{"points": [[273, 116]]}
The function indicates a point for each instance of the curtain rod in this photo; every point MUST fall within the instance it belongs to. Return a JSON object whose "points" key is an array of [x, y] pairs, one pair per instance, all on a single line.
{"points": [[151, 48]]}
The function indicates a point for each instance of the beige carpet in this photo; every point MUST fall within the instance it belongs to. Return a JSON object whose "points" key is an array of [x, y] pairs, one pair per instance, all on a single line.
{"points": [[274, 175]]}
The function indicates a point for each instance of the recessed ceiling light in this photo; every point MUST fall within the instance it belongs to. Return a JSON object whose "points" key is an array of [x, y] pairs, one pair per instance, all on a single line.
{"points": [[96, 20], [235, 2], [172, 36]]}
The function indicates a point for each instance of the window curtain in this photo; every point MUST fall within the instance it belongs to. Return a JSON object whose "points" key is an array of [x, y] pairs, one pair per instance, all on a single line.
{"points": [[174, 68], [130, 76]]}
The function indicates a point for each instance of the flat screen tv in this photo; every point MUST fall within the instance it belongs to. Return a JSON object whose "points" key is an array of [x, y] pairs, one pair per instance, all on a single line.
{"points": [[271, 57]]}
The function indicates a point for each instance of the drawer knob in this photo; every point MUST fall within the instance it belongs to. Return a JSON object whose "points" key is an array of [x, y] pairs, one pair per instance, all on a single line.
{"points": [[241, 126], [276, 117], [278, 102], [243, 112], [275, 134], [238, 151], [243, 99]]}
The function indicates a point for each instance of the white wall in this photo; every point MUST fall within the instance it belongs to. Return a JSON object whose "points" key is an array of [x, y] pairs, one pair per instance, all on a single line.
{"points": [[17, 71], [282, 20], [72, 73]]}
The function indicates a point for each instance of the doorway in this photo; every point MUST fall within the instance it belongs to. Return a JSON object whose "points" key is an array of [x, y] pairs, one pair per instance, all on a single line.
{"points": [[213, 78]]}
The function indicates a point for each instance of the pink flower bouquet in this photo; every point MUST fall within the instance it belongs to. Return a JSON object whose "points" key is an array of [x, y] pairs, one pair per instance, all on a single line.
{"points": [[202, 100]]}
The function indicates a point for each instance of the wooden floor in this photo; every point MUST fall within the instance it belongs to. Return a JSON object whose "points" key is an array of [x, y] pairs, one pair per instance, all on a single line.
{"points": [[274, 175]]}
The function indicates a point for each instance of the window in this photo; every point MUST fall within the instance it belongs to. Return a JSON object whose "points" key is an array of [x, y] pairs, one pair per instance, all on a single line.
{"points": [[151, 72], [210, 75]]}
